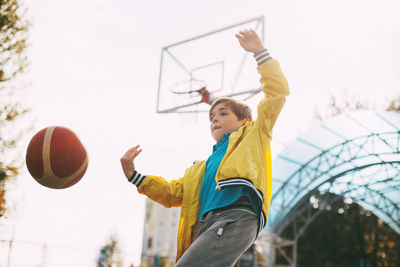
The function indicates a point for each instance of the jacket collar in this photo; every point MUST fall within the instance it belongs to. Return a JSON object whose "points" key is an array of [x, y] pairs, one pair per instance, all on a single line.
{"points": [[224, 139]]}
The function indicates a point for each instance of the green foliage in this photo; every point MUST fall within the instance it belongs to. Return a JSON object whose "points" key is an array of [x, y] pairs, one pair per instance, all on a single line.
{"points": [[13, 35], [13, 61]]}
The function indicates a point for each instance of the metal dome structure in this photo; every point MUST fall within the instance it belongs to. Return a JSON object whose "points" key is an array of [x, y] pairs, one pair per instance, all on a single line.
{"points": [[355, 156]]}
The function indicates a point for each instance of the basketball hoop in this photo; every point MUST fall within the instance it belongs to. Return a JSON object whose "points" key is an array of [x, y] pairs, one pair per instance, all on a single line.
{"points": [[188, 87], [193, 88], [189, 81]]}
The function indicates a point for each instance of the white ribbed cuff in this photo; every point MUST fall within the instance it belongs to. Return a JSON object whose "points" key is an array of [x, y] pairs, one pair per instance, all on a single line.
{"points": [[262, 56]]}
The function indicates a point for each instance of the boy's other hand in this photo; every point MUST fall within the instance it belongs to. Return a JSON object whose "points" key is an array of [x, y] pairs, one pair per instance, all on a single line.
{"points": [[127, 161], [250, 41]]}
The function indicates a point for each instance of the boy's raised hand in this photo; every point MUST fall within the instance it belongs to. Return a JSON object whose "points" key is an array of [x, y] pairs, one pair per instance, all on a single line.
{"points": [[250, 41], [127, 161]]}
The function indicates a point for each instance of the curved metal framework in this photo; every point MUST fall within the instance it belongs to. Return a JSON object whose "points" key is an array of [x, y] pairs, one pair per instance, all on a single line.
{"points": [[341, 173], [355, 156]]}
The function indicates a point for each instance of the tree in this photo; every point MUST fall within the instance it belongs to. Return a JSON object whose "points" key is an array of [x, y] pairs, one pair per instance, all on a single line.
{"points": [[13, 61], [110, 254], [344, 103], [394, 105]]}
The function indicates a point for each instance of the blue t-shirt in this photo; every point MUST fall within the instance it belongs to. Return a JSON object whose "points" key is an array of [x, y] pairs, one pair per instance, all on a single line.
{"points": [[210, 197]]}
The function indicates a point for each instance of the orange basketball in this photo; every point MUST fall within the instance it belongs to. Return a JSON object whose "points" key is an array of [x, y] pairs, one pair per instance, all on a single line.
{"points": [[56, 157]]}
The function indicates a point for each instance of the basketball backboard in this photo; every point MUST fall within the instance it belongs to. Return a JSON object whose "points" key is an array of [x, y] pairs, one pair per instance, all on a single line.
{"points": [[213, 61]]}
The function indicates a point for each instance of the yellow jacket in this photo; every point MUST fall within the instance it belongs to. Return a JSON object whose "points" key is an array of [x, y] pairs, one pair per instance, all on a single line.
{"points": [[247, 162]]}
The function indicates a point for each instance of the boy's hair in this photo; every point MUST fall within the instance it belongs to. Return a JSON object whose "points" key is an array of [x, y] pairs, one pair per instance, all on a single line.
{"points": [[241, 110]]}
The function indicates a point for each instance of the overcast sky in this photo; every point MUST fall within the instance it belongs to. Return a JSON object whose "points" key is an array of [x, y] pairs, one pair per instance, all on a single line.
{"points": [[94, 68]]}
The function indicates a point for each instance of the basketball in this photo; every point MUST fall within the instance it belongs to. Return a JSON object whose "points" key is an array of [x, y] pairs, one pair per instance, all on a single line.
{"points": [[56, 157]]}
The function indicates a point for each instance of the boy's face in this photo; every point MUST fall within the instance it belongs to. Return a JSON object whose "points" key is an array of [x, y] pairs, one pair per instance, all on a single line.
{"points": [[223, 121]]}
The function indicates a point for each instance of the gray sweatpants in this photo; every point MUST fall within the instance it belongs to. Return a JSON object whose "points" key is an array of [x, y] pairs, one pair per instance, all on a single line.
{"points": [[220, 238]]}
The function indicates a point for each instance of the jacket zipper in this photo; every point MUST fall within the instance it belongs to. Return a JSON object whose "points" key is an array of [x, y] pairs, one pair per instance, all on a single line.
{"points": [[186, 224], [251, 160]]}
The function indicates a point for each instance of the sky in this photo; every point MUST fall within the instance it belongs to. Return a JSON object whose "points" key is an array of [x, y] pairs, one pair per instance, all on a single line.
{"points": [[94, 68]]}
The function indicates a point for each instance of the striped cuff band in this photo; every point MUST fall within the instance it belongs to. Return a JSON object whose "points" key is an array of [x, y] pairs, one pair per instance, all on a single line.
{"points": [[262, 56], [136, 178]]}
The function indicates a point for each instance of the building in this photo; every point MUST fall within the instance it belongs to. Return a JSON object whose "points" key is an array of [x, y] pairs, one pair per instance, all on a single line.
{"points": [[159, 235]]}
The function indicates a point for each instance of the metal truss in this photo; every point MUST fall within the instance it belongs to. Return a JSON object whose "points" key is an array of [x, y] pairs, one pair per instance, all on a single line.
{"points": [[384, 202], [352, 158], [365, 169]]}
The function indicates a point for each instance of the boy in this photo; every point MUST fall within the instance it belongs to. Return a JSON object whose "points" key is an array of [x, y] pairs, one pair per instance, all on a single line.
{"points": [[225, 200]]}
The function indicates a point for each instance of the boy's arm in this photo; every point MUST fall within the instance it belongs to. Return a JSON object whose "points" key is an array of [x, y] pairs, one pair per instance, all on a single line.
{"points": [[156, 188], [168, 194], [275, 85], [275, 88]]}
